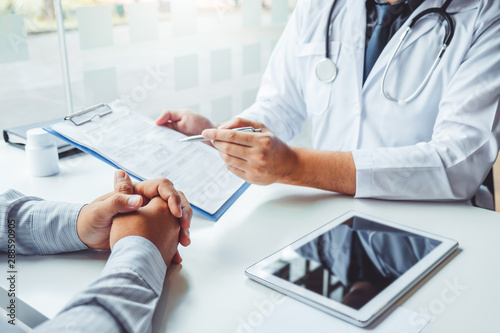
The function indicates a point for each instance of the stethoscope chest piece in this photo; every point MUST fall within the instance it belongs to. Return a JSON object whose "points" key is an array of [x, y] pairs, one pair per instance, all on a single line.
{"points": [[326, 71]]}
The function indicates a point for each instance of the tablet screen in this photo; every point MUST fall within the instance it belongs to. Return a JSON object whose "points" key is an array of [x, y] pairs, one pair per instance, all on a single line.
{"points": [[352, 262]]}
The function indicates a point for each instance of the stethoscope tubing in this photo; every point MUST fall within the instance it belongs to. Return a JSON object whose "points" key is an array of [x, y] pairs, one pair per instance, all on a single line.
{"points": [[450, 32]]}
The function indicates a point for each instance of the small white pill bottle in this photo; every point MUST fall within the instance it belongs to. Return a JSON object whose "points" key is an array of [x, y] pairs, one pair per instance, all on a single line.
{"points": [[41, 153]]}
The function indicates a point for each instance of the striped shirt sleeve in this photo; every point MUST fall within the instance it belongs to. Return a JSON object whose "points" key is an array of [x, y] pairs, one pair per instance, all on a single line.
{"points": [[124, 297], [41, 227]]}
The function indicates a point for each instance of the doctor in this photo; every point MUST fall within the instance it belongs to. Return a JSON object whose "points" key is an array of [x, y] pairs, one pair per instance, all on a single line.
{"points": [[390, 118]]}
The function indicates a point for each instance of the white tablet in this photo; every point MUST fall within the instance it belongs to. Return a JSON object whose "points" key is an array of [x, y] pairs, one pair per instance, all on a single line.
{"points": [[354, 267]]}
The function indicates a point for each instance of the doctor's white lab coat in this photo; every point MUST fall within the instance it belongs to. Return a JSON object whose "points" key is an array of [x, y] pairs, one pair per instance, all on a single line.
{"points": [[439, 146]]}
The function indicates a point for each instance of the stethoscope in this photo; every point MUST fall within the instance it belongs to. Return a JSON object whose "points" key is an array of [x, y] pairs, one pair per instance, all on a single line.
{"points": [[326, 70]]}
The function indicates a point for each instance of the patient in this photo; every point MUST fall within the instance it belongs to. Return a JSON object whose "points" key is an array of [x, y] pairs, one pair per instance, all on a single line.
{"points": [[141, 223]]}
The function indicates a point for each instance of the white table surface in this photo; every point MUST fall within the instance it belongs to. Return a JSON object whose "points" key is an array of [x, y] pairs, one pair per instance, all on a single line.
{"points": [[209, 292]]}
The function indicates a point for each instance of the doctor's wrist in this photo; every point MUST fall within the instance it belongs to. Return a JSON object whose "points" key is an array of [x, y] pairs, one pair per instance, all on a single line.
{"points": [[292, 171], [331, 171]]}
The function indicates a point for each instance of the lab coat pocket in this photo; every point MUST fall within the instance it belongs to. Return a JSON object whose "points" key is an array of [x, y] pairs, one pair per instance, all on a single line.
{"points": [[317, 94]]}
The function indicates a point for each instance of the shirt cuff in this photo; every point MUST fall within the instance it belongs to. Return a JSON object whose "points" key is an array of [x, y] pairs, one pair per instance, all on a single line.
{"points": [[364, 173], [138, 254], [54, 227]]}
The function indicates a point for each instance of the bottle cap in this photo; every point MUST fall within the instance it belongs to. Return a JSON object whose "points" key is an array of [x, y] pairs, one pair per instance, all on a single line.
{"points": [[39, 137]]}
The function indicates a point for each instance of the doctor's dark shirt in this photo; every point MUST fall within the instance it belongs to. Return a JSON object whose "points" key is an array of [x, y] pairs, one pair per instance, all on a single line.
{"points": [[397, 16]]}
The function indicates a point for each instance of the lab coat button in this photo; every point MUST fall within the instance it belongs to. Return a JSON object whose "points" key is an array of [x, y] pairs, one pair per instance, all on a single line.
{"points": [[356, 109]]}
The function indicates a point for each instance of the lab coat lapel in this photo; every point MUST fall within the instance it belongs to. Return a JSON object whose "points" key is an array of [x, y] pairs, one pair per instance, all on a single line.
{"points": [[354, 38], [421, 28]]}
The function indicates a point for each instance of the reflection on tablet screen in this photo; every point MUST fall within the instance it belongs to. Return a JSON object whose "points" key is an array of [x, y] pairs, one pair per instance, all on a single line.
{"points": [[352, 262]]}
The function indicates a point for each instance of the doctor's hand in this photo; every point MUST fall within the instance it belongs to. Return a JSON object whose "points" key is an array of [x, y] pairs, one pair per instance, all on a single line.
{"points": [[258, 158], [154, 222], [185, 121]]}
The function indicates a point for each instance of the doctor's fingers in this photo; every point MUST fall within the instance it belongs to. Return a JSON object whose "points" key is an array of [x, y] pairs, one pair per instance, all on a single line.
{"points": [[233, 149], [240, 138], [234, 161], [238, 172], [248, 170], [170, 116], [240, 122]]}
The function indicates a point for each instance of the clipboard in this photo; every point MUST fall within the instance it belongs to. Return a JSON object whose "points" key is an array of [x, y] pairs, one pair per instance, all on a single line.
{"points": [[71, 125]]}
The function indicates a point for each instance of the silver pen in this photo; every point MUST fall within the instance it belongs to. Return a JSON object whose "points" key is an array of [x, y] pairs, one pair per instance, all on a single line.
{"points": [[199, 138]]}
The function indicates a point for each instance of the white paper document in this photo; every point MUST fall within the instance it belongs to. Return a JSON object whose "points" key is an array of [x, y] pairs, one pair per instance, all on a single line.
{"points": [[138, 146]]}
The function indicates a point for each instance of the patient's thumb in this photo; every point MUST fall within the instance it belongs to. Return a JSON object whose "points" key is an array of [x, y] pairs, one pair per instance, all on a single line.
{"points": [[122, 203]]}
